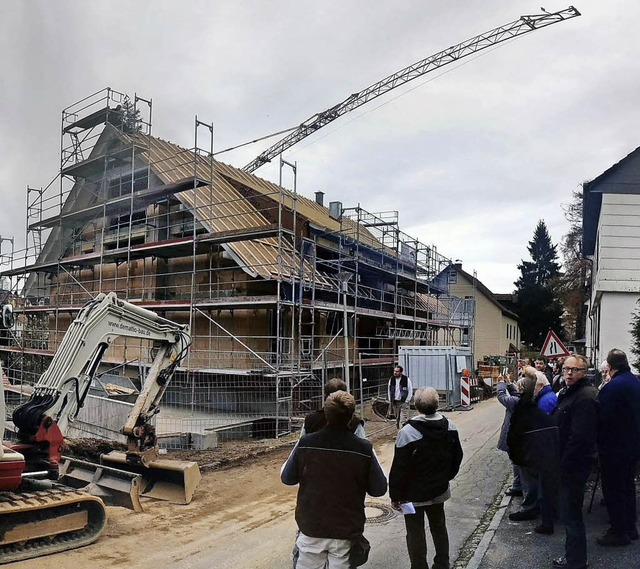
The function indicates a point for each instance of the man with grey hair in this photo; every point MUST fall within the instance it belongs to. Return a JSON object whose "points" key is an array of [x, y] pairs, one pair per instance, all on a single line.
{"points": [[427, 456], [619, 449]]}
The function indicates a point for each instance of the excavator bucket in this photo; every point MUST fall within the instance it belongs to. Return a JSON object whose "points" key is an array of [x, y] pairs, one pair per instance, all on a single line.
{"points": [[163, 479], [116, 487]]}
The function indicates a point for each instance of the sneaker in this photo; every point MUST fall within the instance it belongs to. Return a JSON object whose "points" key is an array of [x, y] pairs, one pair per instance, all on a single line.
{"points": [[523, 515], [612, 539], [513, 492], [561, 563], [543, 530]]}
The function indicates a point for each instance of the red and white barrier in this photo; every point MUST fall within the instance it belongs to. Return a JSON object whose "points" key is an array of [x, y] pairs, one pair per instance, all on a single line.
{"points": [[465, 389], [466, 383]]}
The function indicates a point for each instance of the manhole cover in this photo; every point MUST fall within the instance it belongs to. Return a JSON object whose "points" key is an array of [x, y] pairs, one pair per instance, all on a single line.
{"points": [[378, 513]]}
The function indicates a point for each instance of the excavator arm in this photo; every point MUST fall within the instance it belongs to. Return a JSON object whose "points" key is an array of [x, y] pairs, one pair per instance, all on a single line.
{"points": [[42, 421]]}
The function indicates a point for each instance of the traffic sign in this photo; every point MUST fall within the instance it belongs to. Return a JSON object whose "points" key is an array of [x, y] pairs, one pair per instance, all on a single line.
{"points": [[553, 347]]}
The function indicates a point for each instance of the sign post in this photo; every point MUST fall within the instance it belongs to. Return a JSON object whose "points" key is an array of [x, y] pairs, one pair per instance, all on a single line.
{"points": [[553, 347]]}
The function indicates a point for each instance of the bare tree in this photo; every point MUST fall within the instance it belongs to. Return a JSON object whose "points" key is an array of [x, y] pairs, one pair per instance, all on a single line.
{"points": [[572, 284]]}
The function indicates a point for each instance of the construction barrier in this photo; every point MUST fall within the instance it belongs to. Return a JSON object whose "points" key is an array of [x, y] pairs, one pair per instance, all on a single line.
{"points": [[465, 389], [475, 389], [470, 390]]}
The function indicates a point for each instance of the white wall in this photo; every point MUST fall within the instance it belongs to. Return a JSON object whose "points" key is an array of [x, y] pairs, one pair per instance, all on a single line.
{"points": [[616, 276], [617, 266], [616, 310]]}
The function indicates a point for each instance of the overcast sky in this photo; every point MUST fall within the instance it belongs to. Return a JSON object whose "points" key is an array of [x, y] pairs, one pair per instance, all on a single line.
{"points": [[471, 156]]}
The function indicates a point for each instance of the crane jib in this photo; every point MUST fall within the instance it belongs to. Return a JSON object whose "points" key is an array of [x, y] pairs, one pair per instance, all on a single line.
{"points": [[524, 25]]}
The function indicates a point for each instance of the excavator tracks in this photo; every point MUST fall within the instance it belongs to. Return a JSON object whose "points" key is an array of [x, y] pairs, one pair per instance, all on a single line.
{"points": [[41, 522]]}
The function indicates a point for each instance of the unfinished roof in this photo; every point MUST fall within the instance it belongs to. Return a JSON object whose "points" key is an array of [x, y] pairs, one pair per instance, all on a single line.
{"points": [[222, 207]]}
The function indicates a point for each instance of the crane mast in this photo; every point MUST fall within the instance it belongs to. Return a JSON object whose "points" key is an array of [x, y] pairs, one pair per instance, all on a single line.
{"points": [[524, 25]]}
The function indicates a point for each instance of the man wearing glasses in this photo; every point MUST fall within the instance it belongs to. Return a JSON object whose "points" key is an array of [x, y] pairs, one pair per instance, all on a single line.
{"points": [[576, 417]]}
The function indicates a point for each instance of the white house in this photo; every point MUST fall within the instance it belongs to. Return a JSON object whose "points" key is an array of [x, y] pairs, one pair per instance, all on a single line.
{"points": [[611, 240]]}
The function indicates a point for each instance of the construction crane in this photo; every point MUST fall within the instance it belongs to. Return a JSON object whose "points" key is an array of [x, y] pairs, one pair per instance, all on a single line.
{"points": [[524, 25]]}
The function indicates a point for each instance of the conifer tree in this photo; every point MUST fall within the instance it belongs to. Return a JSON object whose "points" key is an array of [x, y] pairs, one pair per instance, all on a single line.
{"points": [[538, 306], [131, 121]]}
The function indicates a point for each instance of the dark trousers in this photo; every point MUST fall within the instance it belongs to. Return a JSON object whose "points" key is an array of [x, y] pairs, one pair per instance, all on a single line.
{"points": [[571, 499], [548, 495], [619, 491], [417, 539], [530, 489]]}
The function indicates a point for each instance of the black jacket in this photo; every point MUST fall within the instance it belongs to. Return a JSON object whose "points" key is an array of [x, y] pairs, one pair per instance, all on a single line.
{"points": [[532, 438], [404, 388], [316, 420], [619, 432], [335, 469], [421, 469], [577, 419]]}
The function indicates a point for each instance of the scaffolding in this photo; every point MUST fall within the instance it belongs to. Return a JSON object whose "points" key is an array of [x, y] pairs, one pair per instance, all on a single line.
{"points": [[280, 292]]}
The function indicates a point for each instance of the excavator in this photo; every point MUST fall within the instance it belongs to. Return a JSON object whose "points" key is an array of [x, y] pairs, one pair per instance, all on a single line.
{"points": [[49, 503]]}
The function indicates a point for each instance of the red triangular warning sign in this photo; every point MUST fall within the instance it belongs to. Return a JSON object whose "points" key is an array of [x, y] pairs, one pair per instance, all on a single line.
{"points": [[553, 347]]}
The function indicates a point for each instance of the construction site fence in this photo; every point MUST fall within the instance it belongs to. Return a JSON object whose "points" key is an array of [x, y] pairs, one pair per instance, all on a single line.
{"points": [[201, 410]]}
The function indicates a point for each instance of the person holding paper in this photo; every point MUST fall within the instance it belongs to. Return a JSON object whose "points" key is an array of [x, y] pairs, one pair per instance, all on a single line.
{"points": [[427, 456]]}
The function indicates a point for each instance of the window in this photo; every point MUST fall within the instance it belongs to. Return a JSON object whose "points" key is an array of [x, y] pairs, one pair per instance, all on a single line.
{"points": [[121, 185], [452, 277], [136, 218]]}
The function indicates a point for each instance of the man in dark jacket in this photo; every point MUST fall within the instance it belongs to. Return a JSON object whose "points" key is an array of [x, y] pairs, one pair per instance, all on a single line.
{"points": [[427, 455], [619, 449], [576, 417], [315, 420], [335, 469], [400, 393], [541, 363]]}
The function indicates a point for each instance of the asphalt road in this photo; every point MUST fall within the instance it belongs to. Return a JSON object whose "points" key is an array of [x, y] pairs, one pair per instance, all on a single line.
{"points": [[243, 516], [475, 492]]}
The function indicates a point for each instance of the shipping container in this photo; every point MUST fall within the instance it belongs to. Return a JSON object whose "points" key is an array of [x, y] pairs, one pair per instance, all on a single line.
{"points": [[437, 366]]}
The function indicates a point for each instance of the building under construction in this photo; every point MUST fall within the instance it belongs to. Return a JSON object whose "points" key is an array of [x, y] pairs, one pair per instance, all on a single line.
{"points": [[281, 292]]}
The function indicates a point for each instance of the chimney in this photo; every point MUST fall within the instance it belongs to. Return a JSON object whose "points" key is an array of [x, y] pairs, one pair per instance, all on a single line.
{"points": [[335, 210], [320, 198]]}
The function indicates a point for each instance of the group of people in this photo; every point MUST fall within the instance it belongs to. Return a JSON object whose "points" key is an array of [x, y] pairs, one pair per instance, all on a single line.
{"points": [[557, 431], [335, 466]]}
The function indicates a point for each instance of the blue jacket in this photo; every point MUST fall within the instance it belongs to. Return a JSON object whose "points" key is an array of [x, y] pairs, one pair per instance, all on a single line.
{"points": [[619, 428], [547, 400]]}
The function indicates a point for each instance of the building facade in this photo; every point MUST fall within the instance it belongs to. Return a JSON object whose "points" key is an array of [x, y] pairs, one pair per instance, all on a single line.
{"points": [[280, 291], [611, 241], [496, 330]]}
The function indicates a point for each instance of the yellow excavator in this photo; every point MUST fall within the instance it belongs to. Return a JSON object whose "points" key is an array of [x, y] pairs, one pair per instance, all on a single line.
{"points": [[50, 503]]}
